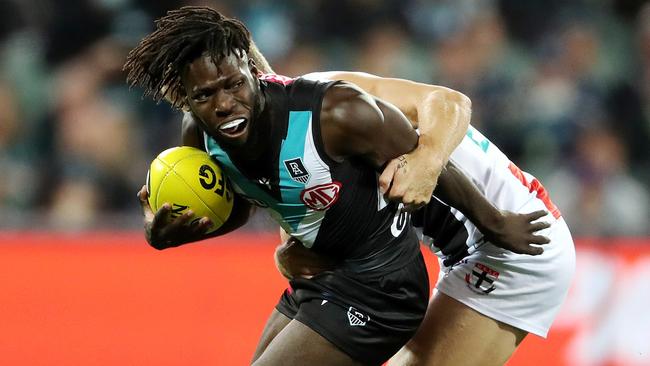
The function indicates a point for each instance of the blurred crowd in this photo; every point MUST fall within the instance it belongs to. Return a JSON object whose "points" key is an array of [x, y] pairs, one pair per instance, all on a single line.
{"points": [[562, 87]]}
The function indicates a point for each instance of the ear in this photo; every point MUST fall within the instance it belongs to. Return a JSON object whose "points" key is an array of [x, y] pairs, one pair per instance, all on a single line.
{"points": [[253, 67]]}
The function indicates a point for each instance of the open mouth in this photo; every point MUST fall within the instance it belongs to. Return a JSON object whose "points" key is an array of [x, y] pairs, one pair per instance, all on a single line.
{"points": [[234, 127]]}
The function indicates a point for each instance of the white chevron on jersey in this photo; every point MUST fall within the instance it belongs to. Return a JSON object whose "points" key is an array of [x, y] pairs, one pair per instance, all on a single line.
{"points": [[320, 175]]}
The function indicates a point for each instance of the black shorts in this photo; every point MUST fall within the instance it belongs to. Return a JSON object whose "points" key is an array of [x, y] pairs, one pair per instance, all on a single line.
{"points": [[368, 319]]}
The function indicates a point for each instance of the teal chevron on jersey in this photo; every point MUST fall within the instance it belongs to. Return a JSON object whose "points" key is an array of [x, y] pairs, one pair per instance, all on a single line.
{"points": [[244, 185], [290, 211], [293, 149]]}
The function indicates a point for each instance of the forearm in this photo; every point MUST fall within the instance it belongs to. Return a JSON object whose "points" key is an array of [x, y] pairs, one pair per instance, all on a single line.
{"points": [[508, 230], [241, 212], [443, 117], [458, 191]]}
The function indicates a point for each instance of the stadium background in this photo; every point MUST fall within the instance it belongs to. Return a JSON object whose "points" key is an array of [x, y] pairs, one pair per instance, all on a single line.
{"points": [[562, 87]]}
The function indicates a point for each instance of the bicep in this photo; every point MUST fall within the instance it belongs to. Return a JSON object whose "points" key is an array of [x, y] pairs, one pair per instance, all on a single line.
{"points": [[355, 124], [394, 137]]}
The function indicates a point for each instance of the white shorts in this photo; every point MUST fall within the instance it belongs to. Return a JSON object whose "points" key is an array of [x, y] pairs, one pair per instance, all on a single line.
{"points": [[523, 291]]}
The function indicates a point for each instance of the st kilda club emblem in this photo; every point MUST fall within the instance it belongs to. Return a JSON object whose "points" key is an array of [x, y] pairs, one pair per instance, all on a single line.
{"points": [[481, 279]]}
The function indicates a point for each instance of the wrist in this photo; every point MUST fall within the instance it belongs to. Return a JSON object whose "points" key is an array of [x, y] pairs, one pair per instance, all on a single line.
{"points": [[433, 146], [431, 155], [491, 221]]}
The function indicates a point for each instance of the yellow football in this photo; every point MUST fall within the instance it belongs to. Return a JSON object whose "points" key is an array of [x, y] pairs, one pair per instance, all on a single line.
{"points": [[188, 179]]}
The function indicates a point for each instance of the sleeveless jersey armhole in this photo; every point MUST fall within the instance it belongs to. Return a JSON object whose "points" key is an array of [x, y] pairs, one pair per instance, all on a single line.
{"points": [[317, 131], [314, 97]]}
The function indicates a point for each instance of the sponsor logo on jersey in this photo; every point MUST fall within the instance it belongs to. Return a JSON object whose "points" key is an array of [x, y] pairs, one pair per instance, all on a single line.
{"points": [[297, 170], [322, 196], [356, 318], [481, 279]]}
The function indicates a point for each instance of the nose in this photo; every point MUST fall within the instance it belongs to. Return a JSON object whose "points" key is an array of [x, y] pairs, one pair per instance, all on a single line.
{"points": [[224, 104]]}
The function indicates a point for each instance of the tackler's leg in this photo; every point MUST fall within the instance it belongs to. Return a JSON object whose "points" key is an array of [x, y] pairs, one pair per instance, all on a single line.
{"points": [[454, 334]]}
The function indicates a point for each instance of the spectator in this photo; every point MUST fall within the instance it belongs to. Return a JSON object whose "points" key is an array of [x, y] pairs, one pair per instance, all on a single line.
{"points": [[595, 192]]}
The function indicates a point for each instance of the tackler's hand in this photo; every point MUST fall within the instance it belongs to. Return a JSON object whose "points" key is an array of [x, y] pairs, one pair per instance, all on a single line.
{"points": [[410, 179], [518, 233], [164, 231]]}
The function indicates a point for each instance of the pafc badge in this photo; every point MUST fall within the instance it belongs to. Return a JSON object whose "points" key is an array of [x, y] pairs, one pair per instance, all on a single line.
{"points": [[481, 279], [297, 170], [356, 318]]}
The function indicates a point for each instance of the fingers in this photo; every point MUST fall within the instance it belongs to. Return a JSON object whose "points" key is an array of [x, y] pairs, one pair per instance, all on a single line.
{"points": [[410, 207], [201, 226], [386, 177], [539, 239], [156, 224], [413, 200], [186, 226], [143, 197], [537, 226], [393, 183], [531, 250], [166, 232], [160, 217], [536, 215]]}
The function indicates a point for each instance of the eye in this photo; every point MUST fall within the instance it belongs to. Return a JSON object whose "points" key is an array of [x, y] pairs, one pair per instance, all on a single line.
{"points": [[200, 97], [237, 84]]}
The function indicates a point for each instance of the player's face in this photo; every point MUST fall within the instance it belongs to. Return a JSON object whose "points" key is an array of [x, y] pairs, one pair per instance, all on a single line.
{"points": [[225, 97]]}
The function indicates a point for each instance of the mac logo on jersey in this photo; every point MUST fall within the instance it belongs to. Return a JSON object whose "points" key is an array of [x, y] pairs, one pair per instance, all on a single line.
{"points": [[322, 196], [297, 170]]}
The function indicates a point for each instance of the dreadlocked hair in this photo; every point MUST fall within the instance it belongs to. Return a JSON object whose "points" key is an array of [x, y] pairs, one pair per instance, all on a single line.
{"points": [[181, 36]]}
